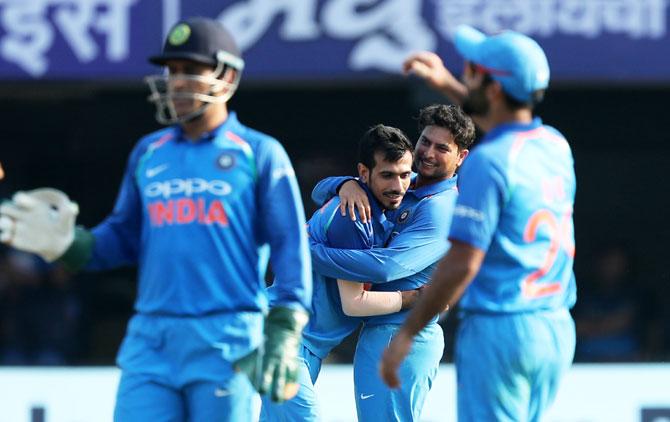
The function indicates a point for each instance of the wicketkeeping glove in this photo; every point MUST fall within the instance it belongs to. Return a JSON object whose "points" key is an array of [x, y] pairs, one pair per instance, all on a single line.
{"points": [[273, 367], [39, 221]]}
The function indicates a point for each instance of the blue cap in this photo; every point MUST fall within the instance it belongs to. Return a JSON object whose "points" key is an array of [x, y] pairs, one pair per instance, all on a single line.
{"points": [[513, 59]]}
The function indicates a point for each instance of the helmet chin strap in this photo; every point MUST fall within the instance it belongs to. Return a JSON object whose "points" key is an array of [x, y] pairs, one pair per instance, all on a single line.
{"points": [[198, 113], [194, 115], [220, 91], [165, 109]]}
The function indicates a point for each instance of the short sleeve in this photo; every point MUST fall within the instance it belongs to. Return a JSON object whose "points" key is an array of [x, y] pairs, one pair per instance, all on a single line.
{"points": [[482, 187]]}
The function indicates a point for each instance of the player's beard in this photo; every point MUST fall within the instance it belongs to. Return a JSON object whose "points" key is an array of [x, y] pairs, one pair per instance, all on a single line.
{"points": [[391, 199], [476, 103]]}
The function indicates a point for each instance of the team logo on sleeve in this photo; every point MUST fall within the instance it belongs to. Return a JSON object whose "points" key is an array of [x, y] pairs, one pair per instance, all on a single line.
{"points": [[278, 173], [468, 212], [403, 216], [225, 161]]}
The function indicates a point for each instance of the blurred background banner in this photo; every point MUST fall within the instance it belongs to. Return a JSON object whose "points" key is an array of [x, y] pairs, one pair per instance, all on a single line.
{"points": [[585, 40], [588, 393]]}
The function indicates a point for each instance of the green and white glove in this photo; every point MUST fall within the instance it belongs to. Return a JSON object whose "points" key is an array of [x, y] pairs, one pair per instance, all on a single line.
{"points": [[273, 367], [39, 221]]}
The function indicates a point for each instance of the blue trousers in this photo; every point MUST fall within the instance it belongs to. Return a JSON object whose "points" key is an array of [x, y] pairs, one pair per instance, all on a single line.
{"points": [[377, 402], [173, 369], [509, 366], [304, 406]]}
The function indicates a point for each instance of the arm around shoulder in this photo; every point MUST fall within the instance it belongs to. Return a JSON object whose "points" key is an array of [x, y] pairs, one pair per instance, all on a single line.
{"points": [[358, 302]]}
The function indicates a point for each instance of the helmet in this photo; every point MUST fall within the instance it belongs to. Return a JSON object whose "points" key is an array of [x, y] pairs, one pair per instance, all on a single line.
{"points": [[199, 40]]}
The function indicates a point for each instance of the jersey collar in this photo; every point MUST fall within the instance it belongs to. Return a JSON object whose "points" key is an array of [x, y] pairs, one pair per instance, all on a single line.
{"points": [[511, 127], [231, 123], [434, 188]]}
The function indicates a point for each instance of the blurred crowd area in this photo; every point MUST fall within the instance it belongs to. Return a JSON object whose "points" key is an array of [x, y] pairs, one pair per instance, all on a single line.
{"points": [[51, 317]]}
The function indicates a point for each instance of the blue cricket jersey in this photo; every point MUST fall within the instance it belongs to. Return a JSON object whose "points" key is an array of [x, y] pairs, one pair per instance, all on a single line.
{"points": [[328, 325], [516, 201], [418, 241], [196, 217]]}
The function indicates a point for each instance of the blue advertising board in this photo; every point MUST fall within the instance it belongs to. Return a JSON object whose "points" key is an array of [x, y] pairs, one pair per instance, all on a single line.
{"points": [[322, 40]]}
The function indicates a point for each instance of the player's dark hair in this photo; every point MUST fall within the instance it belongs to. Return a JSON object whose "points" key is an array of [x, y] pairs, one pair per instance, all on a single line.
{"points": [[453, 119], [390, 141]]}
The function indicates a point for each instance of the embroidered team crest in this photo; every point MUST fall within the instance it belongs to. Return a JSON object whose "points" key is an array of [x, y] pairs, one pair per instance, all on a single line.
{"points": [[225, 161], [403, 216], [179, 34]]}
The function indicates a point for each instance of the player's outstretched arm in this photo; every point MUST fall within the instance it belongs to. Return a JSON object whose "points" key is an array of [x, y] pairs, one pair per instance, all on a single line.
{"points": [[429, 67], [39, 221], [358, 302]]}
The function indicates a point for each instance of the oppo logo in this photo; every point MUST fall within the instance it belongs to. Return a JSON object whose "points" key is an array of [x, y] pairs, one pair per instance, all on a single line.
{"points": [[187, 187]]}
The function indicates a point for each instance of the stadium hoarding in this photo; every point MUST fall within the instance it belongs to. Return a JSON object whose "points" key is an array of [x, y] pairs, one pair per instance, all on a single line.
{"points": [[585, 40], [594, 392]]}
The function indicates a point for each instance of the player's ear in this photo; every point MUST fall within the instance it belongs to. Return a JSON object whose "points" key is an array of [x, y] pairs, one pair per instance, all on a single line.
{"points": [[363, 172], [462, 153], [494, 92]]}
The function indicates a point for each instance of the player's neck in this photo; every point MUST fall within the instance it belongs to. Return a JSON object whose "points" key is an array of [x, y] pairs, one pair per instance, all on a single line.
{"points": [[212, 118], [501, 115], [422, 181]]}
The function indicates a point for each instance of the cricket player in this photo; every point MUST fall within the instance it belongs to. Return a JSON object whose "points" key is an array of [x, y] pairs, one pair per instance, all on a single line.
{"points": [[418, 241], [385, 163], [512, 237], [199, 203]]}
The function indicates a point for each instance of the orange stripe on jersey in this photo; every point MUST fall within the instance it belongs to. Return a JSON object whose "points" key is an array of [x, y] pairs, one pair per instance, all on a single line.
{"points": [[516, 147], [553, 136], [161, 141], [233, 137], [540, 132], [324, 206], [537, 133]]}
